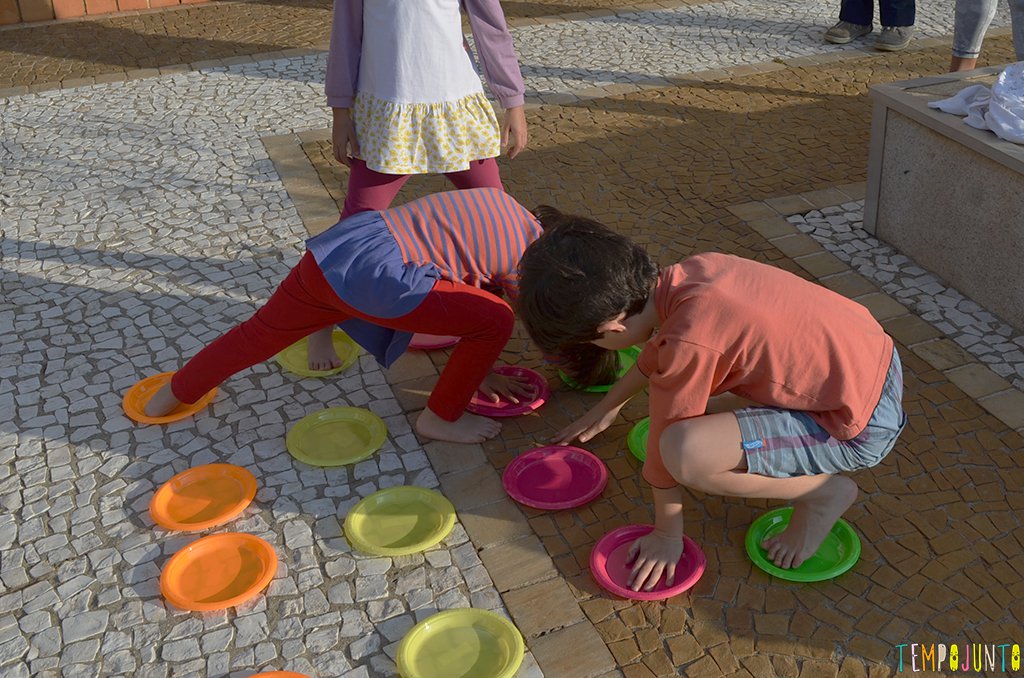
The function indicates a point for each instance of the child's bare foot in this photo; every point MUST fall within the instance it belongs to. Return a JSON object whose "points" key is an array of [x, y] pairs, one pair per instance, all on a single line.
{"points": [[320, 350], [469, 428], [812, 519], [162, 403]]}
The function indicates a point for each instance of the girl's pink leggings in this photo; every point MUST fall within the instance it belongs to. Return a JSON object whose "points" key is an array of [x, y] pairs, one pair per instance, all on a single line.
{"points": [[372, 191], [305, 303]]}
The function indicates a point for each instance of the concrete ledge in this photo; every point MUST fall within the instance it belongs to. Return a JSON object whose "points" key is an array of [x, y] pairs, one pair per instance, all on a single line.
{"points": [[949, 196]]}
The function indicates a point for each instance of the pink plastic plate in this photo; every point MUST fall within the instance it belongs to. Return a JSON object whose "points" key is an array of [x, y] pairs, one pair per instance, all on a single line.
{"points": [[431, 342], [608, 564], [555, 477], [480, 404]]}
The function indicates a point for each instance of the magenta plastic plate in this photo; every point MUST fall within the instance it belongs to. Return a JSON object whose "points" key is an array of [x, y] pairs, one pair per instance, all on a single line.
{"points": [[610, 567], [555, 477], [431, 342], [506, 408]]}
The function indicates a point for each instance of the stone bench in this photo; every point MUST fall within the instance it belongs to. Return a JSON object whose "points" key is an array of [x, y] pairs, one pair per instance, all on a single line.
{"points": [[947, 195]]}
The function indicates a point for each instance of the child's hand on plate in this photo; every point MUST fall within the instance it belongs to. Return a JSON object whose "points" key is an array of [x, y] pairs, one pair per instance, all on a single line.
{"points": [[653, 555], [509, 387]]}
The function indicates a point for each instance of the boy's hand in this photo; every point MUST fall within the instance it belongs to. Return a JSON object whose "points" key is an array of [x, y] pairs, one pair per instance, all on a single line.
{"points": [[343, 137], [512, 388], [654, 554], [513, 131], [587, 426]]}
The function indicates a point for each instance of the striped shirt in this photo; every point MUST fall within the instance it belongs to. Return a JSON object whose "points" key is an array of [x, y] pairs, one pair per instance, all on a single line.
{"points": [[476, 236]]}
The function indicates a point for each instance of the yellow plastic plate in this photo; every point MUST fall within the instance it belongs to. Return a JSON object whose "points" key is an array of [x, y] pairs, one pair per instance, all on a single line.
{"points": [[464, 643], [400, 520], [295, 358], [336, 436]]}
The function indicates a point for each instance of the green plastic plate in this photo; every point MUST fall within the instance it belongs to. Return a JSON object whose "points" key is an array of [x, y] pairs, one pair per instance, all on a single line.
{"points": [[627, 357], [837, 554], [637, 438]]}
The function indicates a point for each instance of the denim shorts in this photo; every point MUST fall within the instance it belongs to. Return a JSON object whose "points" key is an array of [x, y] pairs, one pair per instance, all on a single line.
{"points": [[786, 443]]}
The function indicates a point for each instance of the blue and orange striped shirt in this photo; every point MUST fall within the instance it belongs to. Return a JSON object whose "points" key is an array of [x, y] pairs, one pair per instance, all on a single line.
{"points": [[384, 263], [476, 236]]}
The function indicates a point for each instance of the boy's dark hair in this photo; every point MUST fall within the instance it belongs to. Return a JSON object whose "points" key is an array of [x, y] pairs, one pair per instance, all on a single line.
{"points": [[577, 275]]}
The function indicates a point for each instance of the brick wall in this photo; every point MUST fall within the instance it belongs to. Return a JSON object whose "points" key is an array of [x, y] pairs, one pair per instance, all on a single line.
{"points": [[24, 11]]}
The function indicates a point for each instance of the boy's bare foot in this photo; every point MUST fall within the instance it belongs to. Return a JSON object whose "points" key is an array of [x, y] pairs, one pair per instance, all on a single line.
{"points": [[321, 355], [469, 428], [812, 519], [162, 403]]}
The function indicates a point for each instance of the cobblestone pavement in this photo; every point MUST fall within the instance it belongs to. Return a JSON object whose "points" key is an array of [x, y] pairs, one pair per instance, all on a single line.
{"points": [[140, 219], [681, 36], [984, 335]]}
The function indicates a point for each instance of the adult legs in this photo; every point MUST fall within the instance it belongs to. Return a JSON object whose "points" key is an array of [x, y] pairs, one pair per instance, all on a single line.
{"points": [[858, 12], [970, 21], [1017, 19], [897, 12]]}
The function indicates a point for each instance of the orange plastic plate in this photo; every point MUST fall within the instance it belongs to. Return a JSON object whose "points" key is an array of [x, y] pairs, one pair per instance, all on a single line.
{"points": [[137, 396], [218, 572], [202, 497]]}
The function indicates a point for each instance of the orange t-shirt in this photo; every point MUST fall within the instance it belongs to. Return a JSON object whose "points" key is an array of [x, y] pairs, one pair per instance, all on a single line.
{"points": [[731, 324]]}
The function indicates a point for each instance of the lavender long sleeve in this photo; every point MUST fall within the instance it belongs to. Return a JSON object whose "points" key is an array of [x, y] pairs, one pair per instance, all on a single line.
{"points": [[494, 47], [343, 57]]}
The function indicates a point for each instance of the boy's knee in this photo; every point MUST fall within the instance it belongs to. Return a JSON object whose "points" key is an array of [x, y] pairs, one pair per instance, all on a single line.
{"points": [[678, 453]]}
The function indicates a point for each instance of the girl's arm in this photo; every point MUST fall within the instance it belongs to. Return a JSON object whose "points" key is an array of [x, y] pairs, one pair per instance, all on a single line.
{"points": [[343, 57], [494, 47]]}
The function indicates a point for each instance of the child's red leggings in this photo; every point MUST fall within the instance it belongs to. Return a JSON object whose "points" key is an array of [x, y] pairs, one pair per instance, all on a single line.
{"points": [[371, 191], [305, 303]]}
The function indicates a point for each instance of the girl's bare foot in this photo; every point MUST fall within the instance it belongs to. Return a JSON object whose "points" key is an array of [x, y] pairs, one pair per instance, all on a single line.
{"points": [[162, 403], [469, 428], [812, 519], [320, 350]]}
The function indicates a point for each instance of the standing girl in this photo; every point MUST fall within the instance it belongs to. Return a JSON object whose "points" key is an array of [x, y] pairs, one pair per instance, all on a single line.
{"points": [[382, 276], [407, 100]]}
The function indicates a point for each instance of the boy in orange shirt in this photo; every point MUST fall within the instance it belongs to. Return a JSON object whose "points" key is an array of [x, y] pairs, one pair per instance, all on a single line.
{"points": [[827, 375]]}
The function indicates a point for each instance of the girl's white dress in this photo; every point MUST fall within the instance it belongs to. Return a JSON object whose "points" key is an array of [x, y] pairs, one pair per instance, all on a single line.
{"points": [[419, 106]]}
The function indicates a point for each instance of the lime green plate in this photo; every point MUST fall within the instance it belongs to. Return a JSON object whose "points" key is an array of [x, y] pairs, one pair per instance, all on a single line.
{"points": [[637, 438], [627, 357], [837, 554], [464, 643], [336, 436], [296, 360], [400, 520]]}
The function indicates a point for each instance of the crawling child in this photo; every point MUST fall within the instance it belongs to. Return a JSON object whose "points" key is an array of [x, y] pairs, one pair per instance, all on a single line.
{"points": [[382, 276], [827, 376]]}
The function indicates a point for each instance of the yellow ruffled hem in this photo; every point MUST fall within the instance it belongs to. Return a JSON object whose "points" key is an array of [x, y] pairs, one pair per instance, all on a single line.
{"points": [[425, 138]]}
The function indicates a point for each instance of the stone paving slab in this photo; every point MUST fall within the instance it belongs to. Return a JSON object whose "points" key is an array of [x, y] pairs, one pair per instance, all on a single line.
{"points": [[114, 196], [715, 165], [612, 43], [133, 231]]}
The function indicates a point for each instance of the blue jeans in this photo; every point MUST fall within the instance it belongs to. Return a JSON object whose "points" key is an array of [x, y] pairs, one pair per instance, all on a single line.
{"points": [[891, 12], [972, 20]]}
